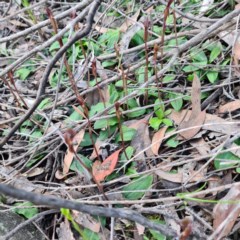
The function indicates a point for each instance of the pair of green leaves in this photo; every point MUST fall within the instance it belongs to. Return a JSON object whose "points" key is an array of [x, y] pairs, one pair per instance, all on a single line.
{"points": [[161, 116]]}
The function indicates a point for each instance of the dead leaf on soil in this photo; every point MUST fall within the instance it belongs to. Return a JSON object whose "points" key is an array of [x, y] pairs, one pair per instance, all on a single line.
{"points": [[226, 214], [34, 172], [95, 154], [202, 147], [178, 177], [64, 231], [197, 117], [230, 107], [157, 140], [236, 53], [211, 123], [86, 221], [102, 30], [140, 229], [102, 170], [141, 139], [129, 21], [69, 155], [101, 94]]}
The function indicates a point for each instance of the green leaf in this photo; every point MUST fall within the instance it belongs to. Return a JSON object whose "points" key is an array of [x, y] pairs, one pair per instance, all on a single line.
{"points": [[77, 167], [103, 123], [159, 109], [129, 151], [176, 101], [155, 122], [66, 213], [119, 84], [212, 76], [128, 134], [45, 103], [190, 68], [106, 64], [215, 53], [137, 39], [23, 73], [90, 235], [167, 112], [35, 135], [35, 159], [26, 209], [86, 142], [170, 19], [172, 142], [140, 74], [142, 183], [75, 116], [105, 134], [109, 38], [225, 160], [56, 46], [136, 113], [157, 235], [173, 43], [199, 56], [167, 122], [168, 78]]}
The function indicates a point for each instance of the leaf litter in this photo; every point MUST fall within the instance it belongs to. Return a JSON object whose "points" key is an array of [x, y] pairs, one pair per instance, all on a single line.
{"points": [[158, 161]]}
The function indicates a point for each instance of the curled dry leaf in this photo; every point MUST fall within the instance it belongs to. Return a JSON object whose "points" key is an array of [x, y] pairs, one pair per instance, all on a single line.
{"points": [[102, 170], [34, 172], [197, 117], [73, 142], [225, 214], [186, 225], [230, 107], [157, 140]]}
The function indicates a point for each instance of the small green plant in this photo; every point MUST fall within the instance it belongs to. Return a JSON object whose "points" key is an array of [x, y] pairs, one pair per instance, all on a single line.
{"points": [[160, 116]]}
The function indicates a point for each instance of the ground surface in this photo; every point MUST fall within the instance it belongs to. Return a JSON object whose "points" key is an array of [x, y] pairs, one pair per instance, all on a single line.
{"points": [[129, 107]]}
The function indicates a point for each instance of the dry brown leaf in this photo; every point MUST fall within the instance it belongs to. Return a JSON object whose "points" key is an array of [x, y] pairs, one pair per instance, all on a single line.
{"points": [[129, 22], [95, 154], [86, 221], [157, 140], [178, 177], [102, 170], [217, 124], [64, 231], [230, 107], [197, 117], [101, 29], [69, 155], [236, 53], [34, 172], [202, 147], [225, 214], [141, 139], [211, 123], [140, 228]]}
